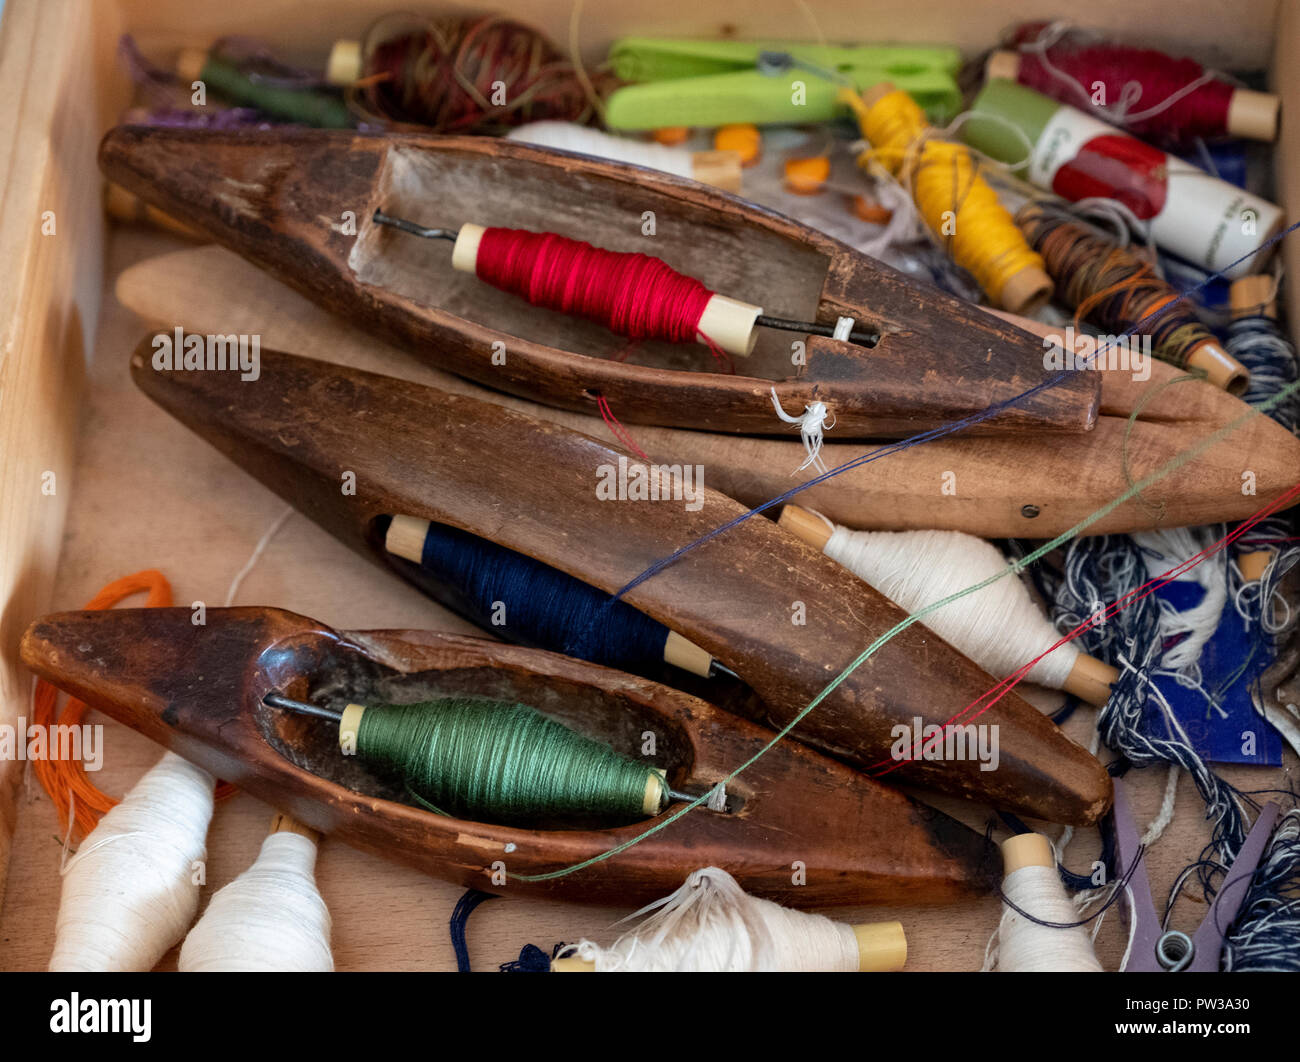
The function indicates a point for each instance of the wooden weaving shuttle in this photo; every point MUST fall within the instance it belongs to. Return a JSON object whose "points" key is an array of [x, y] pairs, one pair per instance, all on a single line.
{"points": [[1011, 486], [530, 486], [199, 691], [301, 204]]}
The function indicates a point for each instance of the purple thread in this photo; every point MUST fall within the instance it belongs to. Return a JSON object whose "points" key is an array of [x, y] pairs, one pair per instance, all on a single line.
{"points": [[940, 432]]}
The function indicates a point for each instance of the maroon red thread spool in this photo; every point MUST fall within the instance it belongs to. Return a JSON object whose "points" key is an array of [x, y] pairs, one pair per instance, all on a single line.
{"points": [[1167, 100]]}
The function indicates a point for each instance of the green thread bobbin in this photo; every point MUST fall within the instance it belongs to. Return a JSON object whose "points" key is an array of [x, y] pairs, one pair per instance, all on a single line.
{"points": [[495, 761], [507, 762]]}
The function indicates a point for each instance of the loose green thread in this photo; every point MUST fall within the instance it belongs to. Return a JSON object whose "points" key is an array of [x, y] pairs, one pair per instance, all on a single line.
{"points": [[501, 762], [1171, 466], [1155, 509]]}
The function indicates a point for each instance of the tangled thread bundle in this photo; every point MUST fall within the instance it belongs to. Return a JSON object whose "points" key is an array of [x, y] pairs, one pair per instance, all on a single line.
{"points": [[1136, 722], [1266, 935], [456, 75]]}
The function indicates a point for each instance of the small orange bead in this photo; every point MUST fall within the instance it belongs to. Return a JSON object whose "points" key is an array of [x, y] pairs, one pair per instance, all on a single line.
{"points": [[869, 210], [745, 140], [672, 134], [807, 176]]}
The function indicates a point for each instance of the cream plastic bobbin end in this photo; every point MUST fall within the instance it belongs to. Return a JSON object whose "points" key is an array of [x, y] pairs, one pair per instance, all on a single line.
{"points": [[464, 256], [718, 168], [282, 823], [349, 726], [1220, 368], [806, 526], [731, 324], [1026, 850], [1026, 291], [882, 946], [344, 66], [1253, 115], [405, 537], [190, 63], [877, 93], [685, 654], [656, 791], [1253, 565], [1002, 66], [1091, 679], [1253, 296]]}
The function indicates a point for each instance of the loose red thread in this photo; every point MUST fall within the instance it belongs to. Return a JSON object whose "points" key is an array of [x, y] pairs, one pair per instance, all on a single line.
{"points": [[620, 432], [633, 295], [884, 767]]}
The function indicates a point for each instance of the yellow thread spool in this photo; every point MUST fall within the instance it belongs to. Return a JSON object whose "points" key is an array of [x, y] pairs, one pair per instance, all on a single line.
{"points": [[957, 204]]}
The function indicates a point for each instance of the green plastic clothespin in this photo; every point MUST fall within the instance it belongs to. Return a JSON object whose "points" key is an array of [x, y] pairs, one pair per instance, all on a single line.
{"points": [[711, 83]]}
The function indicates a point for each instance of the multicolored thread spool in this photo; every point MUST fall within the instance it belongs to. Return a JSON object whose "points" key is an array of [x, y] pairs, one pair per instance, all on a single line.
{"points": [[1117, 288], [460, 75]]}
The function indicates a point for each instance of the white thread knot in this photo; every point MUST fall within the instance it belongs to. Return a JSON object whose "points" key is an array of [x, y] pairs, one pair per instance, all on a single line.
{"points": [[812, 427]]}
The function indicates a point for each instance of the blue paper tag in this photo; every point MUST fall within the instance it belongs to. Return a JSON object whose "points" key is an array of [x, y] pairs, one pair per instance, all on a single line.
{"points": [[1229, 730]]}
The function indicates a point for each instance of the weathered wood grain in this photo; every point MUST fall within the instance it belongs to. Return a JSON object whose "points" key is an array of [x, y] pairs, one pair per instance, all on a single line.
{"points": [[860, 841], [779, 613], [1023, 486], [298, 203]]}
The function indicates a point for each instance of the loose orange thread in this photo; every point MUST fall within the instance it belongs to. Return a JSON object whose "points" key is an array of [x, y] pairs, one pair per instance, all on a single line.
{"points": [[65, 780]]}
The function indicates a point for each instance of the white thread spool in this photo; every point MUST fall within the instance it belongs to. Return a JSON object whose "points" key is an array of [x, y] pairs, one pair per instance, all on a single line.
{"points": [[1033, 884], [711, 925], [999, 627], [718, 168], [271, 918], [131, 890]]}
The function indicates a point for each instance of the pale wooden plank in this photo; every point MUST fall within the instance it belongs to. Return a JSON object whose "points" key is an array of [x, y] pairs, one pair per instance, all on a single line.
{"points": [[1169, 24], [48, 306]]}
